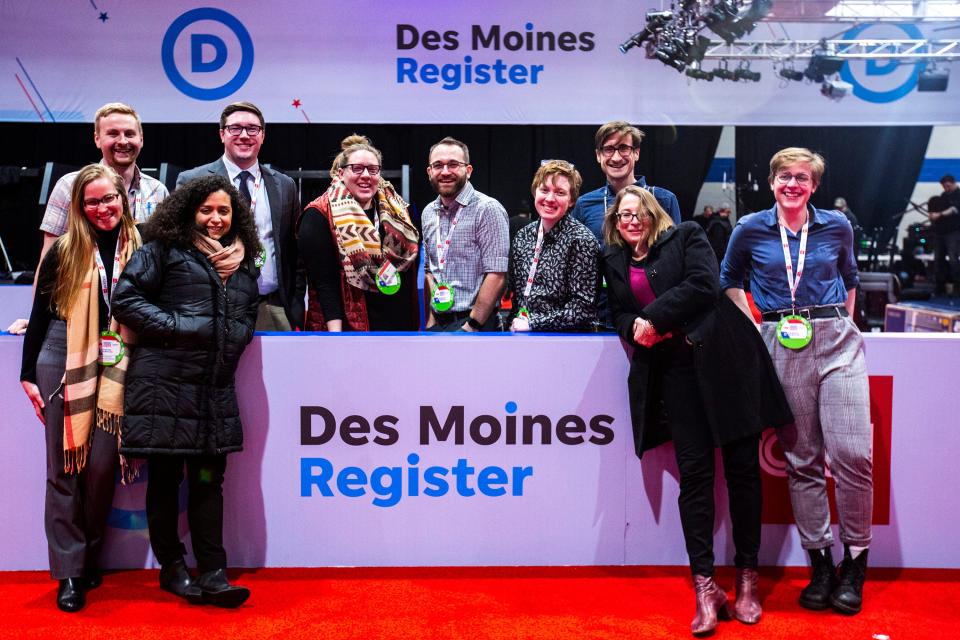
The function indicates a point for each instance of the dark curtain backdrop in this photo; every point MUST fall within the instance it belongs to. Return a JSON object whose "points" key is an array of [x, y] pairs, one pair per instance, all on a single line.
{"points": [[504, 159], [874, 168]]}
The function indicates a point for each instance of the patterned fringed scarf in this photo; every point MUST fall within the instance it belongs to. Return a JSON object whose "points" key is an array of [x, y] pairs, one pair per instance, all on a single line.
{"points": [[361, 250], [92, 394]]}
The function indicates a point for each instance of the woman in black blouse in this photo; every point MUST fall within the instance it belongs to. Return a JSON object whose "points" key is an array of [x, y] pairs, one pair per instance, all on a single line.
{"points": [[554, 271], [360, 248], [700, 362], [71, 316]]}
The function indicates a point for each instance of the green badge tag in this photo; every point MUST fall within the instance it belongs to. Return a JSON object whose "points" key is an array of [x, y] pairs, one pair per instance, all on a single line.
{"points": [[442, 299], [111, 349], [523, 313], [794, 332], [388, 278], [261, 259]]}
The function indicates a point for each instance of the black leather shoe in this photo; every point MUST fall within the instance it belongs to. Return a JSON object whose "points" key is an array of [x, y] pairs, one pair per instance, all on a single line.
{"points": [[94, 579], [823, 580], [219, 592], [848, 596], [71, 596], [175, 578]]}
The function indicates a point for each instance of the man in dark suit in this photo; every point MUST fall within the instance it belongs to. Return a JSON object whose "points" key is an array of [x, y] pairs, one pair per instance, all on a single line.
{"points": [[275, 205]]}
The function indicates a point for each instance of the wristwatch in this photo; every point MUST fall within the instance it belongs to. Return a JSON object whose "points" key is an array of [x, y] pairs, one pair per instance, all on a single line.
{"points": [[474, 323]]}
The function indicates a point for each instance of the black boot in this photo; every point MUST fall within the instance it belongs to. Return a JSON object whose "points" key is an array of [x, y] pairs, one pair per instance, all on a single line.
{"points": [[823, 580], [848, 596], [71, 594], [175, 578], [219, 592]]}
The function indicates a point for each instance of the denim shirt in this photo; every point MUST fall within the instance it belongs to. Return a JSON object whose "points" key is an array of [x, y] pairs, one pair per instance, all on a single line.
{"points": [[829, 271]]}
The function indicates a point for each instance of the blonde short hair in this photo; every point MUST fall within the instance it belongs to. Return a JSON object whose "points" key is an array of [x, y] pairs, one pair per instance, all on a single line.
{"points": [[793, 155], [649, 206], [115, 107]]}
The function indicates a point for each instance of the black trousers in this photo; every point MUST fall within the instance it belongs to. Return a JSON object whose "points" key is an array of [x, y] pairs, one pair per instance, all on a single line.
{"points": [[694, 446], [204, 508]]}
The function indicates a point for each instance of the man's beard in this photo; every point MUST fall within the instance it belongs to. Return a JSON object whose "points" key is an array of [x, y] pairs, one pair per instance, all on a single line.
{"points": [[452, 189]]}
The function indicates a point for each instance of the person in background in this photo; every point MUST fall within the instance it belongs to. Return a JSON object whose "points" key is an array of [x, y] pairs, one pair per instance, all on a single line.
{"points": [[718, 232], [76, 393], [703, 218], [273, 199], [693, 354], [360, 248], [191, 296], [554, 263], [466, 245], [946, 229], [118, 134], [803, 277]]}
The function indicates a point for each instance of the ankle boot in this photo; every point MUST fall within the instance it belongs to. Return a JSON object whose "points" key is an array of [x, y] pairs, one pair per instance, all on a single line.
{"points": [[71, 594], [847, 597], [175, 578], [747, 608], [711, 604], [219, 592], [823, 580]]}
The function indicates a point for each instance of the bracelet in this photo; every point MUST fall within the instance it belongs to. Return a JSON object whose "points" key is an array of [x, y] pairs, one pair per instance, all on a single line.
{"points": [[474, 323]]}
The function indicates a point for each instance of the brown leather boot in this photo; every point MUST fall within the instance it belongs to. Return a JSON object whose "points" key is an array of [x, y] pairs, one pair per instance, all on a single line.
{"points": [[747, 608], [711, 604]]}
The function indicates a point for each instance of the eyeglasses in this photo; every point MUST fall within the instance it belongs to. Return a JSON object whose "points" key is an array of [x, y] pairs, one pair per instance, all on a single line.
{"points": [[451, 165], [252, 130], [94, 203], [631, 216], [622, 149], [785, 178], [358, 169]]}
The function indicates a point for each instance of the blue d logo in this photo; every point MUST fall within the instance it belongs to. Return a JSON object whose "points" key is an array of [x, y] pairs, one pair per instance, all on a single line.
{"points": [[208, 53], [882, 81]]}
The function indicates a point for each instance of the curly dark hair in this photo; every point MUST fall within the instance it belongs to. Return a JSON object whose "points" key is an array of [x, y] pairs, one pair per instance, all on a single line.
{"points": [[173, 223]]}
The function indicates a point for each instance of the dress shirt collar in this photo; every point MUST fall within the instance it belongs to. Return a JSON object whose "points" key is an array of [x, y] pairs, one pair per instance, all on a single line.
{"points": [[233, 170]]}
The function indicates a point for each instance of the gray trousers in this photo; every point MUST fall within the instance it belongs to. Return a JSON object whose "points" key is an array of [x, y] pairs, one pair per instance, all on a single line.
{"points": [[76, 505], [827, 388]]}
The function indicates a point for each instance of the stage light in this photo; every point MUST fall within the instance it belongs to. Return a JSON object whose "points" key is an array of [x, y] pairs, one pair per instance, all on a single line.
{"points": [[835, 89], [666, 57], [933, 79], [821, 66], [744, 73], [700, 74], [724, 73], [791, 74], [656, 21]]}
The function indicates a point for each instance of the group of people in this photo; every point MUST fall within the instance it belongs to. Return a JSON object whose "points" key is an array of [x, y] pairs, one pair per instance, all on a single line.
{"points": [[136, 331], [717, 225]]}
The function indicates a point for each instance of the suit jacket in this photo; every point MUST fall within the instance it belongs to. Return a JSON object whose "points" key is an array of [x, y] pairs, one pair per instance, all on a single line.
{"points": [[284, 210], [736, 378]]}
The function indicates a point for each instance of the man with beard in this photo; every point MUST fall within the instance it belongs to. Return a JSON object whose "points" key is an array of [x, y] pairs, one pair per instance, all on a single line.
{"points": [[118, 134], [466, 242], [275, 205], [617, 145]]}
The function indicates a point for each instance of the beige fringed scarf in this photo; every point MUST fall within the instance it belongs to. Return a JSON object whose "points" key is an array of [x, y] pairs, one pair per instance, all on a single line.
{"points": [[362, 252], [225, 260], [92, 395]]}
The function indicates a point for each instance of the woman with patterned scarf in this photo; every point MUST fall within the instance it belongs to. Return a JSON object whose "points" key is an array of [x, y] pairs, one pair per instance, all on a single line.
{"points": [[360, 248], [191, 295], [73, 372]]}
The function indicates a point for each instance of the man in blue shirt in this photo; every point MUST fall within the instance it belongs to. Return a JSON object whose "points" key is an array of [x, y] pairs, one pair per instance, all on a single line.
{"points": [[618, 149]]}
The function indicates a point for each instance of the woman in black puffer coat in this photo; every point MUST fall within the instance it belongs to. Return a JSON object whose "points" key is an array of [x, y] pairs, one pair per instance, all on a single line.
{"points": [[191, 296]]}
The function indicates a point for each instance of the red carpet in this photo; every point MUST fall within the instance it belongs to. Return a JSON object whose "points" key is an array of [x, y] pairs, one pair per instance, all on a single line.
{"points": [[442, 603]]}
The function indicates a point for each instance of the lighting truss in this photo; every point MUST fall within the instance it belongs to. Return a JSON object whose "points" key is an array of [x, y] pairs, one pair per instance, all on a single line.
{"points": [[887, 49]]}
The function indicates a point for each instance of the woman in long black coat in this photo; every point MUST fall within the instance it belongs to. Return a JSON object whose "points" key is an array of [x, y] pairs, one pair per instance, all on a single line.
{"points": [[191, 296], [699, 363]]}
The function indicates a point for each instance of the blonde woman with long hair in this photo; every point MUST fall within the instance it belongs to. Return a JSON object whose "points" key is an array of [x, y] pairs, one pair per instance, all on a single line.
{"points": [[72, 372]]}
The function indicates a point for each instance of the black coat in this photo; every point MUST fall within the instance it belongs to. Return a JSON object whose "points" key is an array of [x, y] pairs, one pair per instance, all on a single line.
{"points": [[737, 381], [191, 331]]}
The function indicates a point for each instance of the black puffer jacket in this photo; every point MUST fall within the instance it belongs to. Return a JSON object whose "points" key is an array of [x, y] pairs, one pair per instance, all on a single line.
{"points": [[191, 330]]}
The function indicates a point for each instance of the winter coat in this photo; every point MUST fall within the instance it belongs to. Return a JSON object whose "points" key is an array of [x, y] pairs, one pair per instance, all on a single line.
{"points": [[736, 378], [191, 331]]}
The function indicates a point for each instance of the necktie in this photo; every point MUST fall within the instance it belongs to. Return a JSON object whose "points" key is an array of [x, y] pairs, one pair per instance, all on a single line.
{"points": [[244, 189]]}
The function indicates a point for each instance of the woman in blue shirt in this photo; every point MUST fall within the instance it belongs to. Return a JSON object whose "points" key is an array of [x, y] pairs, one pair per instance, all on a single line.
{"points": [[803, 277]]}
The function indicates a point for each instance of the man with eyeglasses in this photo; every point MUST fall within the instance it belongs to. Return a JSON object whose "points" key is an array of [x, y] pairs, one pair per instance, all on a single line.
{"points": [[118, 134], [466, 241], [274, 202], [618, 149]]}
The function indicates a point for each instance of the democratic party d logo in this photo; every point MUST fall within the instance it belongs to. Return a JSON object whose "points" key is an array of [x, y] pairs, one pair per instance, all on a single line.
{"points": [[210, 59]]}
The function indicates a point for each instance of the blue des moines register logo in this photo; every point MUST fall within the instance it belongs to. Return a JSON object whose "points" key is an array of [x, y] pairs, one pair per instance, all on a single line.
{"points": [[210, 59]]}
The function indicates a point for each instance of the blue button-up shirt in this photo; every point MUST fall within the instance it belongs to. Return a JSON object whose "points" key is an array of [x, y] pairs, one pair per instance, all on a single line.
{"points": [[830, 268], [591, 207]]}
